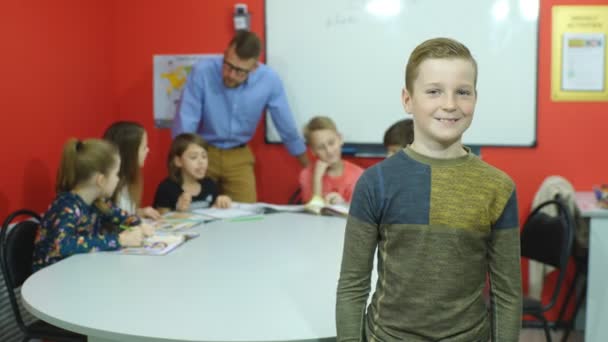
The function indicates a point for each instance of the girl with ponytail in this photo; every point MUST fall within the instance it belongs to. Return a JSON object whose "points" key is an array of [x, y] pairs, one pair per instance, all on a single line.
{"points": [[81, 219]]}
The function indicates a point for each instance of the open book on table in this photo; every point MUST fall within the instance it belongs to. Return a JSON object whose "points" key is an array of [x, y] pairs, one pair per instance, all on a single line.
{"points": [[238, 210], [177, 221], [315, 207], [327, 209], [227, 213], [266, 208], [160, 243]]}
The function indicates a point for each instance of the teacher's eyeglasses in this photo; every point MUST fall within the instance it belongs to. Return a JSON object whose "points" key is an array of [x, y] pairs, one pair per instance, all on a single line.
{"points": [[238, 71]]}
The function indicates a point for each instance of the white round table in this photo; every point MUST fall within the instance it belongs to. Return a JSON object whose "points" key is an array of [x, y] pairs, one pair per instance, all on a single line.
{"points": [[270, 279]]}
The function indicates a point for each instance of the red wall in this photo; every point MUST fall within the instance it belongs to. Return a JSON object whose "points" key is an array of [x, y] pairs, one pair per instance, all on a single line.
{"points": [[71, 67], [56, 83]]}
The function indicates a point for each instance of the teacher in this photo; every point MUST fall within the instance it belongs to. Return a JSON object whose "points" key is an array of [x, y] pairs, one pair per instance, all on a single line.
{"points": [[223, 101]]}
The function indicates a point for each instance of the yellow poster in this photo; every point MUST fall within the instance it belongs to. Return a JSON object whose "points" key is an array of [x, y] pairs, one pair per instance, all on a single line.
{"points": [[579, 54]]}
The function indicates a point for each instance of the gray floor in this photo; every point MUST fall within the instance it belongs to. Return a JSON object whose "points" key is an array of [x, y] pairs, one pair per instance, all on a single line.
{"points": [[538, 335]]}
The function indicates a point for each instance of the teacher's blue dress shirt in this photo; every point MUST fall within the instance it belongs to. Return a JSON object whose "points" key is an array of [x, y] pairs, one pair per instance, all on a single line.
{"points": [[227, 117]]}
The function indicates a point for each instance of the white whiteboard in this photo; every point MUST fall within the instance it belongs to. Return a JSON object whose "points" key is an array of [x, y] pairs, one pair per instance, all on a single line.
{"points": [[346, 59]]}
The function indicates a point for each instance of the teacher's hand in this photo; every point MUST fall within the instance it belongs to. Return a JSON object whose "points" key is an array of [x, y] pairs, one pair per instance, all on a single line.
{"points": [[303, 159]]}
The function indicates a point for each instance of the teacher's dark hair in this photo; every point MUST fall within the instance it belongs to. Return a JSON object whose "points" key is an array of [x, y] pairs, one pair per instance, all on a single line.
{"points": [[246, 44]]}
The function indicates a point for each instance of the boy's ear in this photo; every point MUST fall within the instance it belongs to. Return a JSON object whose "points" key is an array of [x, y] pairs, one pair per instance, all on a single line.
{"points": [[406, 100], [177, 161]]}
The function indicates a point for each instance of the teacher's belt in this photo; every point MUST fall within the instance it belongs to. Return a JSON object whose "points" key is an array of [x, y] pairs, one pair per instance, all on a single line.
{"points": [[208, 145]]}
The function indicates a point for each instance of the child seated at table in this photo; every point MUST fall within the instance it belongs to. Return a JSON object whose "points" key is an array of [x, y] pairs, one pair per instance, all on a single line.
{"points": [[398, 135], [132, 142], [187, 188], [81, 219], [330, 178]]}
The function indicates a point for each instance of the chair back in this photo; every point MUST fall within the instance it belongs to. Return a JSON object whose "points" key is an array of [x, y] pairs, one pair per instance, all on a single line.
{"points": [[16, 254], [548, 239]]}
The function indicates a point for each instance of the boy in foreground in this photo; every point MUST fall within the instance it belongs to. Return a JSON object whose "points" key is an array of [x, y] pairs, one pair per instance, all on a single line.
{"points": [[441, 220]]}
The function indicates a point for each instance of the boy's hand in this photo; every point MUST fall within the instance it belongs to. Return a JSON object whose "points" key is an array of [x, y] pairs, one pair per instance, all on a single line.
{"points": [[334, 198], [183, 202], [320, 169], [146, 229], [131, 238], [223, 202], [149, 212]]}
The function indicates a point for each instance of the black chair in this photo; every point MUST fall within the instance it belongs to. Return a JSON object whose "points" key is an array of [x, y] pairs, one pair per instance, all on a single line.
{"points": [[16, 249], [579, 285], [547, 239]]}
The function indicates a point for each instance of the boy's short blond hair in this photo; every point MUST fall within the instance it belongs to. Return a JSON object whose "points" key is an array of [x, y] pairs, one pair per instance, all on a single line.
{"points": [[316, 124], [436, 48]]}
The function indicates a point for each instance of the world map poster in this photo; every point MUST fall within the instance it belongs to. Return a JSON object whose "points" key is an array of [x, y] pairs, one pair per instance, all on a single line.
{"points": [[170, 75]]}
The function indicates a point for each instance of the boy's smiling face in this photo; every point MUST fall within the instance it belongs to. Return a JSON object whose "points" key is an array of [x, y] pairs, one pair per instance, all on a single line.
{"points": [[442, 102]]}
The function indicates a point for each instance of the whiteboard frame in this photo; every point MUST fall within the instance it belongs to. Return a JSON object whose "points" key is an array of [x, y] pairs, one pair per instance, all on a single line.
{"points": [[271, 135]]}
